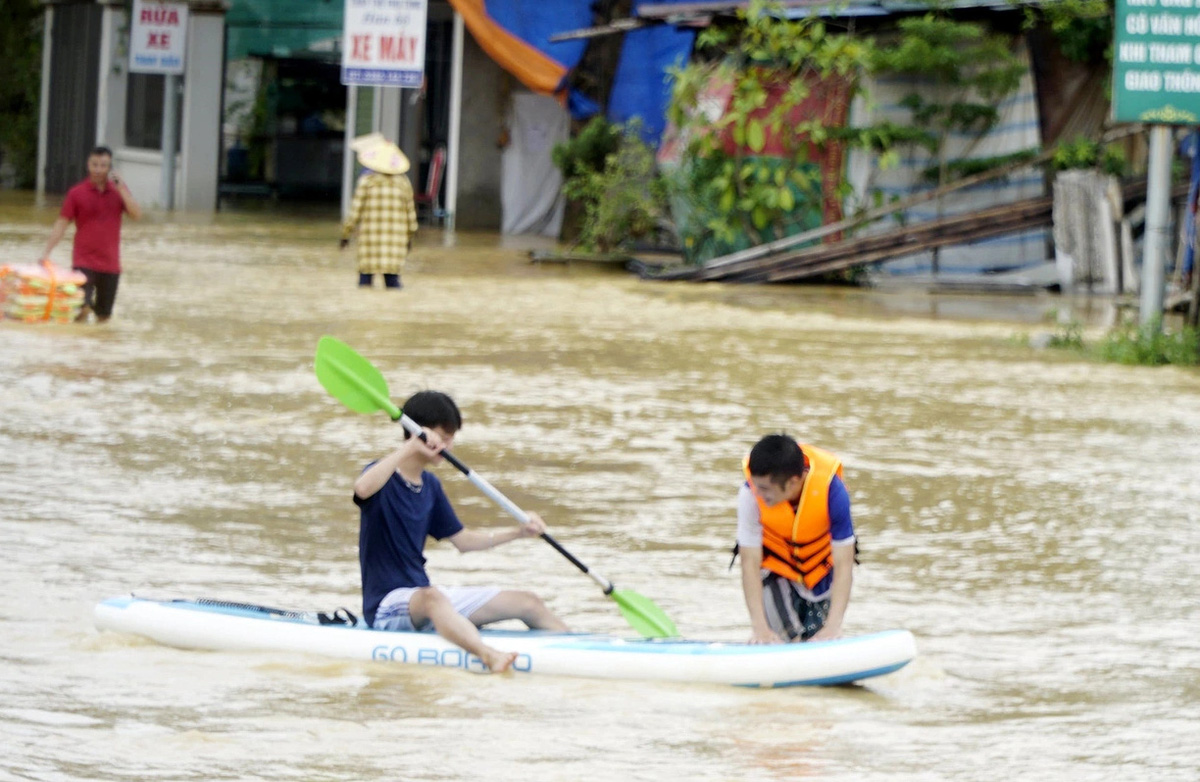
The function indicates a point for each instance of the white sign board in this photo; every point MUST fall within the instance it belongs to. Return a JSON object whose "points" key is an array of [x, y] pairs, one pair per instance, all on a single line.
{"points": [[157, 34], [383, 43]]}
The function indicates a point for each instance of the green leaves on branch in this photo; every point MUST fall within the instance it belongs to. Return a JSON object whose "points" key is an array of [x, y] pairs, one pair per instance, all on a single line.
{"points": [[1083, 28], [965, 71], [750, 169], [611, 172], [1081, 152]]}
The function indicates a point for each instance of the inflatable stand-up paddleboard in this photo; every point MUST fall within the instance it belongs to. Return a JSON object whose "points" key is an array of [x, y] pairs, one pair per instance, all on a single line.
{"points": [[229, 626]]}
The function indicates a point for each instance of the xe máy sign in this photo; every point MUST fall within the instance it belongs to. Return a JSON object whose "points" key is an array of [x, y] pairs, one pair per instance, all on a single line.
{"points": [[157, 34], [383, 43], [1156, 62]]}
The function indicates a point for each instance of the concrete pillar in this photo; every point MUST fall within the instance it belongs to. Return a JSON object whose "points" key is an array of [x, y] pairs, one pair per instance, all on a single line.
{"points": [[1158, 224], [203, 84], [452, 145], [348, 154], [201, 131]]}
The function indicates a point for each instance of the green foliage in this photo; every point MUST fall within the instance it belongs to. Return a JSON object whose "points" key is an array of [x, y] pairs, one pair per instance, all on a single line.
{"points": [[1133, 344], [1081, 152], [966, 168], [770, 63], [587, 152], [1150, 345], [1069, 336], [623, 197], [1084, 28], [21, 53], [971, 70]]}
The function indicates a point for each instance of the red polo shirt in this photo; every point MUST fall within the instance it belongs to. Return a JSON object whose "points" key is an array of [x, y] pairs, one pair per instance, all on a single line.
{"points": [[97, 217]]}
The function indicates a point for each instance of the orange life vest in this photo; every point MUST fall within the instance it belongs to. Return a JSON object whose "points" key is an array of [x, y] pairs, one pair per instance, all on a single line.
{"points": [[798, 545]]}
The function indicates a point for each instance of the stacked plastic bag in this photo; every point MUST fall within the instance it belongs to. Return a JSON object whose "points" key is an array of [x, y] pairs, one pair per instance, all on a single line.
{"points": [[40, 292]]}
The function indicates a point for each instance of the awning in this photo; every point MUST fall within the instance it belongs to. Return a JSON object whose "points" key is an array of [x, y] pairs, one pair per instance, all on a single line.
{"points": [[284, 28]]}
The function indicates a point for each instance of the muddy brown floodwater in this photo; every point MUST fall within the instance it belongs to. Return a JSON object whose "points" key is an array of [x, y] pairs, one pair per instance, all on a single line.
{"points": [[1034, 519]]}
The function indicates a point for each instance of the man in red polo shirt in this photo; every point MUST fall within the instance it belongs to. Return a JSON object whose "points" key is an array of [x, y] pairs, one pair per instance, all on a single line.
{"points": [[96, 205]]}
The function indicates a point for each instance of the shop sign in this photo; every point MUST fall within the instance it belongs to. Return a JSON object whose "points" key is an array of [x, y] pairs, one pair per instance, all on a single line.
{"points": [[383, 43], [157, 34], [1156, 62]]}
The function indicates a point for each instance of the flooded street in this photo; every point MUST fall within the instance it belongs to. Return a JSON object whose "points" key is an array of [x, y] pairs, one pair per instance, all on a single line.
{"points": [[1032, 518]]}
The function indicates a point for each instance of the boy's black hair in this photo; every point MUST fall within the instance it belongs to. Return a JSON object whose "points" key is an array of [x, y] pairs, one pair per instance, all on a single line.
{"points": [[432, 409], [778, 457], [100, 151]]}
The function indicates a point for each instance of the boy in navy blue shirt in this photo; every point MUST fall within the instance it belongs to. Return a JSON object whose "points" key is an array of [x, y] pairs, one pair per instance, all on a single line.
{"points": [[401, 504]]}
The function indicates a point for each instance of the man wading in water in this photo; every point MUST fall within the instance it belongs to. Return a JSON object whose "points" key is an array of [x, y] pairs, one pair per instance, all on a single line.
{"points": [[401, 504], [96, 205]]}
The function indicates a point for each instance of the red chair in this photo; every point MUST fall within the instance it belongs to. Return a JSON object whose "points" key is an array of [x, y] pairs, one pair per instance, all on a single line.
{"points": [[427, 201]]}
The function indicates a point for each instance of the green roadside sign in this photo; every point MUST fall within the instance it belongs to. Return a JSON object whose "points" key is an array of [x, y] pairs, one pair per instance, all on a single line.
{"points": [[1156, 62]]}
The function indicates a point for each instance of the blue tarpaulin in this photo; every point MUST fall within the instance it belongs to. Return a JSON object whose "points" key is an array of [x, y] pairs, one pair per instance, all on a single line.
{"points": [[534, 23], [642, 87]]}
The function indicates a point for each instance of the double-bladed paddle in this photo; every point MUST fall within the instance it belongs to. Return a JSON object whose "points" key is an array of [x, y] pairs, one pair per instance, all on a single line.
{"points": [[357, 384]]}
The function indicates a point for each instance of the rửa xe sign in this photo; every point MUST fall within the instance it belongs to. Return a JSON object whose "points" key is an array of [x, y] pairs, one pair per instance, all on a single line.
{"points": [[157, 37]]}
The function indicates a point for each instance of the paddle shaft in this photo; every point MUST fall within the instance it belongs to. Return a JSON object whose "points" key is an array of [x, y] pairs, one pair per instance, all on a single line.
{"points": [[504, 502]]}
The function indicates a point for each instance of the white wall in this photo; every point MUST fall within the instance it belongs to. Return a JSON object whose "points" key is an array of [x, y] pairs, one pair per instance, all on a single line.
{"points": [[142, 171]]}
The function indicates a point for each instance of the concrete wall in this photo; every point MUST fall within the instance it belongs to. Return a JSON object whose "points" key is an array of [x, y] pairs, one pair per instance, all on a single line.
{"points": [[485, 101], [142, 171]]}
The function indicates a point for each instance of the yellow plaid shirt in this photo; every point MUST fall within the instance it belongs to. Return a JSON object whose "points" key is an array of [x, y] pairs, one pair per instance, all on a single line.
{"points": [[385, 214]]}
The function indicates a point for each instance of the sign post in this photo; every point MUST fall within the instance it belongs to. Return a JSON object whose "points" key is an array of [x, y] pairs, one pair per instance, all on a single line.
{"points": [[1156, 79], [157, 41], [383, 43]]}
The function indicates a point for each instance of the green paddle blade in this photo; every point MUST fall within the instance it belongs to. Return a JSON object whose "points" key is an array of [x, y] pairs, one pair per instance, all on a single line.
{"points": [[643, 615], [351, 379]]}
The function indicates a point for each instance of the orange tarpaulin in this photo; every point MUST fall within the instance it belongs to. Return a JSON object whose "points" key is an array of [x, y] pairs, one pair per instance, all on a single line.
{"points": [[532, 68]]}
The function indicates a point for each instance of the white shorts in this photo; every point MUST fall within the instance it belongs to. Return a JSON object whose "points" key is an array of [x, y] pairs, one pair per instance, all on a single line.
{"points": [[392, 613]]}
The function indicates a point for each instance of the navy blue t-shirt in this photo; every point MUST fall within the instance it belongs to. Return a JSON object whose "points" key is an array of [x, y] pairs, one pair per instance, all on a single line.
{"points": [[394, 523]]}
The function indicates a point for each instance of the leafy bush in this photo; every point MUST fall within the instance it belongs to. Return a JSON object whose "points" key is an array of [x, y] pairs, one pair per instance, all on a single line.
{"points": [[1081, 152], [623, 197], [750, 170], [1149, 345], [587, 152], [1133, 344]]}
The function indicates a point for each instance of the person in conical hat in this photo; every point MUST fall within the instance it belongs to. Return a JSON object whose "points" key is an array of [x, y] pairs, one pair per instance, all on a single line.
{"points": [[383, 211]]}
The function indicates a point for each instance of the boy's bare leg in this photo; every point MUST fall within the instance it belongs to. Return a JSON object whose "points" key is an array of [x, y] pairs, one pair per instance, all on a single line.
{"points": [[514, 604], [430, 603]]}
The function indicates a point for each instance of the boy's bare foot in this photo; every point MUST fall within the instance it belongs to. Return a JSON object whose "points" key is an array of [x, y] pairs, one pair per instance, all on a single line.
{"points": [[498, 661]]}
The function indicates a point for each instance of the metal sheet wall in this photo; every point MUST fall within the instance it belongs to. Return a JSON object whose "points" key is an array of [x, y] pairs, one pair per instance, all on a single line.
{"points": [[74, 70]]}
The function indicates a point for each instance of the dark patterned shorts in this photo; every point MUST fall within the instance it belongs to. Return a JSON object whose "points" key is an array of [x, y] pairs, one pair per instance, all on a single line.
{"points": [[788, 613]]}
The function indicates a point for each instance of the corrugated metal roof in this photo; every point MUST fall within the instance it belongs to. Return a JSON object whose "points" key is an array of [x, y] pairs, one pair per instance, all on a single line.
{"points": [[678, 11], [701, 14]]}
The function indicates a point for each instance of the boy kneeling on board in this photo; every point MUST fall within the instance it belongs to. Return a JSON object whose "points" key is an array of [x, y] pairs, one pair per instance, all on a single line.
{"points": [[797, 542], [400, 504]]}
